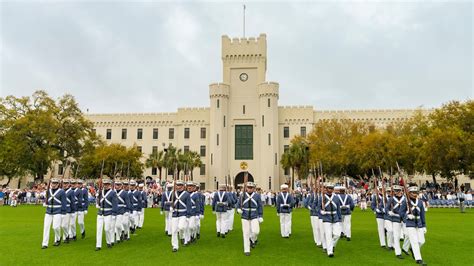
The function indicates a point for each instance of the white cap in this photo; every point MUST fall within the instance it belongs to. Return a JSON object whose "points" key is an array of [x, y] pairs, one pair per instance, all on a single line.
{"points": [[283, 186], [141, 185], [169, 185], [54, 180], [107, 181], [179, 182], [413, 189], [133, 183], [397, 187], [250, 184], [329, 185]]}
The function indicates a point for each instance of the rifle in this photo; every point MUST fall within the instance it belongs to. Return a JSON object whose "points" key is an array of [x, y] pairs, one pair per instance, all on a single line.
{"points": [[391, 188], [405, 190], [376, 189], [99, 183], [384, 194], [244, 188], [77, 170]]}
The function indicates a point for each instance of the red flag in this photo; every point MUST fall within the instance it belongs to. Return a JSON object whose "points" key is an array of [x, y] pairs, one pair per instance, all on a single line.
{"points": [[402, 183]]}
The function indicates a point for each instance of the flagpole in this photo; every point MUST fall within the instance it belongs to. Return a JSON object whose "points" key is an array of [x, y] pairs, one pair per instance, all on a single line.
{"points": [[244, 21]]}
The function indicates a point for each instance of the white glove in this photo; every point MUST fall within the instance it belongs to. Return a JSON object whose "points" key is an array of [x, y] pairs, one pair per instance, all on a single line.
{"points": [[171, 209], [239, 211], [391, 213], [44, 205], [377, 210], [278, 214], [161, 212], [410, 216], [323, 212], [309, 208], [260, 220], [97, 206], [424, 230], [201, 216]]}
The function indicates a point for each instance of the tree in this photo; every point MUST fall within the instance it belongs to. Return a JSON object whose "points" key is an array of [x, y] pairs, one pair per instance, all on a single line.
{"points": [[156, 160]]}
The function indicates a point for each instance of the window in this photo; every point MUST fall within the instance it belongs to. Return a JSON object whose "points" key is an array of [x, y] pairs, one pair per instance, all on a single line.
{"points": [[218, 103], [155, 133], [224, 120], [171, 133], [109, 134], [287, 171], [211, 159], [269, 139], [243, 109], [269, 182], [202, 186], [276, 159], [286, 148], [244, 142], [203, 132], [153, 171], [268, 100], [139, 148], [154, 149], [139, 133], [303, 131], [186, 148], [263, 120], [203, 151], [202, 170], [186, 133], [124, 133], [286, 132], [217, 139], [60, 169]]}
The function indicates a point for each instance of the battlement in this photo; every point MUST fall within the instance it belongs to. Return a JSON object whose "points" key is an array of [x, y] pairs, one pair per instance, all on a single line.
{"points": [[244, 46], [193, 109], [268, 89], [219, 90], [296, 107]]}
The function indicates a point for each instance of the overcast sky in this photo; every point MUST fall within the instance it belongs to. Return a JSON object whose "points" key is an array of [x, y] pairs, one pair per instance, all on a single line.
{"points": [[156, 57]]}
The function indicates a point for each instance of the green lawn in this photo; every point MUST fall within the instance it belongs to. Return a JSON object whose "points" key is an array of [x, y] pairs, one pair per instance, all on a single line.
{"points": [[449, 241]]}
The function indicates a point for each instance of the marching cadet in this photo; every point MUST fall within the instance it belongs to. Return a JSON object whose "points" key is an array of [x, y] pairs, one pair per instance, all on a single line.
{"points": [[219, 207], [377, 206], [165, 207], [393, 209], [127, 216], [190, 234], [363, 200], [82, 207], [135, 198], [311, 202], [331, 214], [201, 216], [347, 207], [70, 206], [413, 215], [251, 210], [387, 220], [55, 208], [322, 234], [284, 207], [120, 219], [424, 198], [107, 210], [143, 204], [231, 209], [181, 212], [78, 207]]}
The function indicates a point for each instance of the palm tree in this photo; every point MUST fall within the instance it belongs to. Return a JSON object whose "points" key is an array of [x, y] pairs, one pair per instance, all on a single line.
{"points": [[170, 160], [195, 162], [156, 160]]}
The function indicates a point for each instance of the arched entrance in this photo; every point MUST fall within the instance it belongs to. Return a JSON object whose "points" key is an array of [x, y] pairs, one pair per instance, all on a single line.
{"points": [[239, 179]]}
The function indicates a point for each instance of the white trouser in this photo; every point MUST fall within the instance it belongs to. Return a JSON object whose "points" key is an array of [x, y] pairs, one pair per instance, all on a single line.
{"points": [[381, 230], [178, 226], [388, 227], [316, 233], [221, 218], [406, 239], [250, 230], [190, 229], [118, 226], [322, 233], [134, 219], [291, 215], [397, 234], [72, 224], [285, 224], [363, 205], [80, 221], [126, 224], [167, 222], [141, 217], [65, 225], [230, 214], [417, 239], [55, 219], [332, 232], [346, 225], [104, 223]]}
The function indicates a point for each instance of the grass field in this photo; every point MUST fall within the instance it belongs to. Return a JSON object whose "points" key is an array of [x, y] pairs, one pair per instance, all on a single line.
{"points": [[449, 241]]}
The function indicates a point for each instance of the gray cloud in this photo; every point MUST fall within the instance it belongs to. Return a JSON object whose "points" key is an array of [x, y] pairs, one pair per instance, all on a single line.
{"points": [[156, 57]]}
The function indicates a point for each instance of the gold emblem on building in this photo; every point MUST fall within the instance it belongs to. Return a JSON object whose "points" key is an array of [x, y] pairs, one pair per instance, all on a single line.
{"points": [[243, 165]]}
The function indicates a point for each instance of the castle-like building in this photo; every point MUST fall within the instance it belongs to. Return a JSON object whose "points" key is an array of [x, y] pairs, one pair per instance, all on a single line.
{"points": [[243, 123]]}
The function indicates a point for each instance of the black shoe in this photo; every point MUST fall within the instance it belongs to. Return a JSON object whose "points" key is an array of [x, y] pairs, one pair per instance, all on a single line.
{"points": [[57, 243], [223, 236], [400, 257], [252, 244], [420, 262], [198, 236], [44, 247], [166, 232], [348, 239], [247, 254], [405, 252], [83, 235], [218, 234], [383, 247], [139, 228], [175, 249], [319, 246], [74, 238], [185, 244], [331, 255], [324, 250], [66, 241], [97, 249], [109, 245]]}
